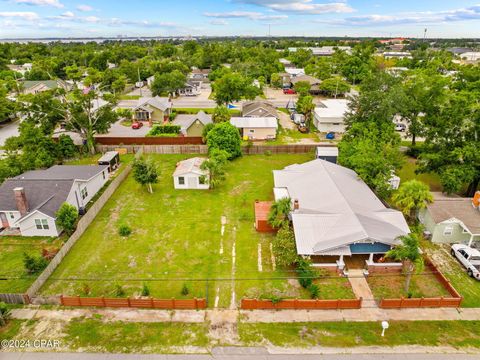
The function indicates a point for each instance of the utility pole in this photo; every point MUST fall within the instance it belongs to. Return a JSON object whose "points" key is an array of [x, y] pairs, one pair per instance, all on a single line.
{"points": [[139, 80]]}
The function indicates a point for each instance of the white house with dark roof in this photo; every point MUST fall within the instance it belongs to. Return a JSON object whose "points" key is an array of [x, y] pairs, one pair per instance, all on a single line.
{"points": [[29, 201], [189, 175], [335, 214]]}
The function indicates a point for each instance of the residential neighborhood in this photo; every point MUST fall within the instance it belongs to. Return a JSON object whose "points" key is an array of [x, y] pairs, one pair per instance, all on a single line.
{"points": [[239, 179]]}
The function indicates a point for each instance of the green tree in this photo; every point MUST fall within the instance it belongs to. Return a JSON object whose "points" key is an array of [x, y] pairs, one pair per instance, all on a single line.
{"points": [[234, 87], [408, 252], [276, 81], [145, 173], [302, 88], [66, 147], [215, 165], [306, 106], [284, 247], [279, 212], [66, 216], [334, 86], [221, 114], [168, 82], [74, 73], [225, 136], [411, 197]]}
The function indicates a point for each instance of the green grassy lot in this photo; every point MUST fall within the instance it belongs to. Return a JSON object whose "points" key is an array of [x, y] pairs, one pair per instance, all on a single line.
{"points": [[177, 240], [391, 286], [12, 270], [468, 287], [407, 172], [346, 334], [129, 97]]}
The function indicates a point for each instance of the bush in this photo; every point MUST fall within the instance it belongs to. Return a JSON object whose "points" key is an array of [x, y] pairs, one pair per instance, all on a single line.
{"points": [[34, 264], [66, 217], [284, 248], [314, 291], [145, 290], [4, 313], [185, 290], [86, 289], [415, 151], [124, 230], [305, 273], [119, 292], [225, 136], [164, 130]]}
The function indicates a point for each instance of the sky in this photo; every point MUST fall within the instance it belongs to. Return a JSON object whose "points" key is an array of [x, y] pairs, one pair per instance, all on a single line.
{"points": [[111, 18]]}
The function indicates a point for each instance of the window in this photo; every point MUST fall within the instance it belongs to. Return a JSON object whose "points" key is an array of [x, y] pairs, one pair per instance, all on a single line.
{"points": [[252, 130], [41, 224], [202, 180], [181, 180], [448, 230], [84, 192]]}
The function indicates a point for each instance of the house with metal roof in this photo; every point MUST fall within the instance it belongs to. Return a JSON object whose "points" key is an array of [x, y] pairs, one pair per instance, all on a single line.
{"points": [[329, 115], [29, 202], [452, 219], [256, 128], [335, 214], [190, 175]]}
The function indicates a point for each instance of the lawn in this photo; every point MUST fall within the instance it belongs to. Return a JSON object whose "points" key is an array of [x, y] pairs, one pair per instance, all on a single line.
{"points": [[407, 172], [468, 287], [14, 279], [176, 240], [346, 334], [390, 286]]}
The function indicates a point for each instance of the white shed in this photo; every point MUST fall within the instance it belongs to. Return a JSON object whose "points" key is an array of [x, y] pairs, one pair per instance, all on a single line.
{"points": [[189, 175]]}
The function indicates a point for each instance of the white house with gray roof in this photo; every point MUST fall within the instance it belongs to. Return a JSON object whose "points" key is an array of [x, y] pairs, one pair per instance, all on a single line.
{"points": [[256, 128], [335, 214], [190, 175], [29, 201]]}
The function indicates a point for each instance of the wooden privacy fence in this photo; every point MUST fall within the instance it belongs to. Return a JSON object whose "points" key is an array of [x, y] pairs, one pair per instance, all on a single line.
{"points": [[156, 149], [297, 304], [280, 149], [454, 300], [15, 298], [150, 303], [153, 140]]}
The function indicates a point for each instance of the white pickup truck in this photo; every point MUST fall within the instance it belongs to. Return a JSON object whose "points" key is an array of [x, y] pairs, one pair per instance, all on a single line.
{"points": [[469, 257]]}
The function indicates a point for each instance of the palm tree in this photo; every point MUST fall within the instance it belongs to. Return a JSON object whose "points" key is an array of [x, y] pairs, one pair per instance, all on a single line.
{"points": [[412, 196], [409, 254], [279, 212]]}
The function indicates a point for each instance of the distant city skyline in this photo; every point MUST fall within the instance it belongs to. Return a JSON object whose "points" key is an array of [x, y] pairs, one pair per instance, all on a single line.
{"points": [[107, 18]]}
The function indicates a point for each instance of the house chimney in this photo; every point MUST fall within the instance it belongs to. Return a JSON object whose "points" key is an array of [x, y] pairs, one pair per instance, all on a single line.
{"points": [[296, 205], [21, 200]]}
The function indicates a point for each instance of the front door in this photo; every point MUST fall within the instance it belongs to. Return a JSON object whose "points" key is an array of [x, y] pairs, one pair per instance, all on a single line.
{"points": [[192, 183], [3, 218]]}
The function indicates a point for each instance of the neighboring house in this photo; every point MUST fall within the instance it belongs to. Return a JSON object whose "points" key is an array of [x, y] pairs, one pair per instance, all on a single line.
{"points": [[470, 56], [329, 50], [192, 88], [192, 125], [313, 81], [452, 219], [327, 153], [259, 108], [397, 55], [459, 50], [295, 72], [329, 117], [35, 87], [150, 80], [189, 175], [153, 109], [286, 63], [335, 214], [200, 74], [256, 128], [29, 201]]}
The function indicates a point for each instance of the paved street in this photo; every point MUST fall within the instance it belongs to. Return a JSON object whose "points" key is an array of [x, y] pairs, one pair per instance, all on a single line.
{"points": [[241, 353], [8, 130]]}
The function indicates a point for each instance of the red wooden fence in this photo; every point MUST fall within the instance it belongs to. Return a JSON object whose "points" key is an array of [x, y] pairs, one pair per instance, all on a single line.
{"points": [[297, 304], [160, 140], [149, 303]]}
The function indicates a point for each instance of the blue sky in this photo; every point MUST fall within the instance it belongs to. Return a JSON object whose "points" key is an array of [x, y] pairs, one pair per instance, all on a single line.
{"points": [[47, 18]]}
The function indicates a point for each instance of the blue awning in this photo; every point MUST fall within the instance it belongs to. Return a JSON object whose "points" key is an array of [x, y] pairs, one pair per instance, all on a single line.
{"points": [[375, 248]]}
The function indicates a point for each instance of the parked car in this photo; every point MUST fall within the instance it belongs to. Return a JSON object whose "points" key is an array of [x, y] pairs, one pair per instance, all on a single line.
{"points": [[137, 125], [469, 258], [289, 91], [400, 127], [330, 136]]}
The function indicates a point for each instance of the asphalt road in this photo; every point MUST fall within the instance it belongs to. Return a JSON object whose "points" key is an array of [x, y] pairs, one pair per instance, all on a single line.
{"points": [[246, 356], [8, 130]]}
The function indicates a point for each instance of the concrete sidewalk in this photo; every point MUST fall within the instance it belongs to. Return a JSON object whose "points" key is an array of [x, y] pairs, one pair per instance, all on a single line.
{"points": [[254, 316], [360, 288]]}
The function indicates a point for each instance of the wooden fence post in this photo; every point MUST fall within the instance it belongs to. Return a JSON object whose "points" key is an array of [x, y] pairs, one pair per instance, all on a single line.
{"points": [[103, 301]]}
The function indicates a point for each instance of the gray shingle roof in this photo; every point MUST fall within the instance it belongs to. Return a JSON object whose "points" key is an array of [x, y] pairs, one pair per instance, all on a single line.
{"points": [[336, 208], [185, 120], [63, 172]]}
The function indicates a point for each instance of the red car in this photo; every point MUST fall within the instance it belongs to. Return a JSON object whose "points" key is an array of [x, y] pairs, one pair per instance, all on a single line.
{"points": [[289, 91], [137, 125]]}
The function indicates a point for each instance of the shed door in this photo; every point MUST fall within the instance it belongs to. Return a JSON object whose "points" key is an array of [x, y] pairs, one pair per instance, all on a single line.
{"points": [[192, 182]]}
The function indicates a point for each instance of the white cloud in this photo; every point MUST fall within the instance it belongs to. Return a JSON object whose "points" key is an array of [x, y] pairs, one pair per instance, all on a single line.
{"points": [[219, 22], [54, 3], [308, 7], [84, 8], [428, 17], [25, 15], [245, 15]]}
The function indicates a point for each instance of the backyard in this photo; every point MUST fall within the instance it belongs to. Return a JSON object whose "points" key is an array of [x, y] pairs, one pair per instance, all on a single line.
{"points": [[177, 244]]}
